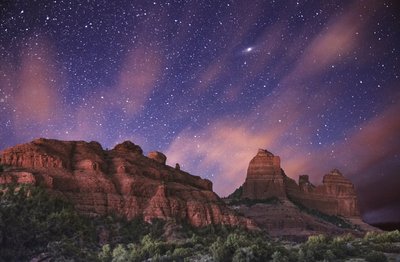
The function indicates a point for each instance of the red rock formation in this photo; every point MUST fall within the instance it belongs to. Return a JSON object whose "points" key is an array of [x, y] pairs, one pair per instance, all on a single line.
{"points": [[157, 156], [120, 180], [265, 179]]}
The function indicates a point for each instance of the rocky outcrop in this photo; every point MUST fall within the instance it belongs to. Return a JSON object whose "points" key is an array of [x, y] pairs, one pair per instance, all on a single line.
{"points": [[121, 181], [158, 156], [277, 204], [336, 195], [265, 179]]}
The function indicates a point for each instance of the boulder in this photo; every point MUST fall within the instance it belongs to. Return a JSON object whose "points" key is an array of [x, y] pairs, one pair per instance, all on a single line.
{"points": [[157, 156]]}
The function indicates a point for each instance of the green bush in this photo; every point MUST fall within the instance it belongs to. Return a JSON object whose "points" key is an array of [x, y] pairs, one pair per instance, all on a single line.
{"points": [[383, 237], [105, 254], [243, 254], [235, 241], [375, 257], [278, 256], [120, 254], [341, 247], [220, 252], [386, 247], [32, 222], [181, 252], [314, 248]]}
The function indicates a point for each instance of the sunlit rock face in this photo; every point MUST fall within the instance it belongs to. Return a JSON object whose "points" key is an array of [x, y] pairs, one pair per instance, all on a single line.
{"points": [[265, 179], [121, 181]]}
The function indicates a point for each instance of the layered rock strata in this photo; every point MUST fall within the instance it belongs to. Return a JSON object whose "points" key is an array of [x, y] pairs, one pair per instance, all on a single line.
{"points": [[265, 179], [121, 181]]}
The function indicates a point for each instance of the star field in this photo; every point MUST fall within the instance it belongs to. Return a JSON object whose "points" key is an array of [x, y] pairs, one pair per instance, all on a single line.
{"points": [[210, 82]]}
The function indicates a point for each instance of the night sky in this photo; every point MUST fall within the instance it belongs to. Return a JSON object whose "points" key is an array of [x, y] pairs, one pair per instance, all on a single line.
{"points": [[210, 82]]}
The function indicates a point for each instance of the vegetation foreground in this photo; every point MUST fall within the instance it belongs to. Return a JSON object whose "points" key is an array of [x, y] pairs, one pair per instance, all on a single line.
{"points": [[36, 226]]}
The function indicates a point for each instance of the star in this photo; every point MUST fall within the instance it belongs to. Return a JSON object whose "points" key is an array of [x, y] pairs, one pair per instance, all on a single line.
{"points": [[248, 49]]}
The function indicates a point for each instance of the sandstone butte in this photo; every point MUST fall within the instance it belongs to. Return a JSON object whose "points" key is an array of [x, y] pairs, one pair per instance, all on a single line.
{"points": [[266, 180], [121, 180]]}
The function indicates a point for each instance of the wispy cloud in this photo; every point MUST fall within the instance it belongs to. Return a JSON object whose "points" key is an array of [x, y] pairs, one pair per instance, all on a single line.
{"points": [[36, 96], [140, 72]]}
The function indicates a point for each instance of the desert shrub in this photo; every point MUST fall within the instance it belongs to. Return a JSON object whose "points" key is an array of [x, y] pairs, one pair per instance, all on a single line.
{"points": [[305, 255], [329, 255], [181, 252], [130, 231], [220, 252], [243, 255], [120, 254], [314, 248], [278, 256], [151, 247], [317, 240], [342, 247], [383, 237], [375, 256], [196, 239], [241, 245], [235, 241], [157, 227], [262, 250], [386, 247], [105, 254], [343, 238], [32, 222]]}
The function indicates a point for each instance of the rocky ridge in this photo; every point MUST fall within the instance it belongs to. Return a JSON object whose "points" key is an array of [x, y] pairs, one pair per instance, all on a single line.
{"points": [[121, 181]]}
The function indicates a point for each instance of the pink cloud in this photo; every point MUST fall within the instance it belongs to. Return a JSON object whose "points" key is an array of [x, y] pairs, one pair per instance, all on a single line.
{"points": [[138, 77], [36, 97], [337, 40], [223, 145]]}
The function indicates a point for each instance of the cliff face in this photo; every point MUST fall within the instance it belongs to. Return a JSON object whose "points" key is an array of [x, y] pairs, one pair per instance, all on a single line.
{"points": [[121, 180], [266, 179], [336, 195]]}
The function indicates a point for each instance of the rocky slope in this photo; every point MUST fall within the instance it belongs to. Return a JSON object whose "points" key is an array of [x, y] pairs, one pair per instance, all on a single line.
{"points": [[121, 180]]}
